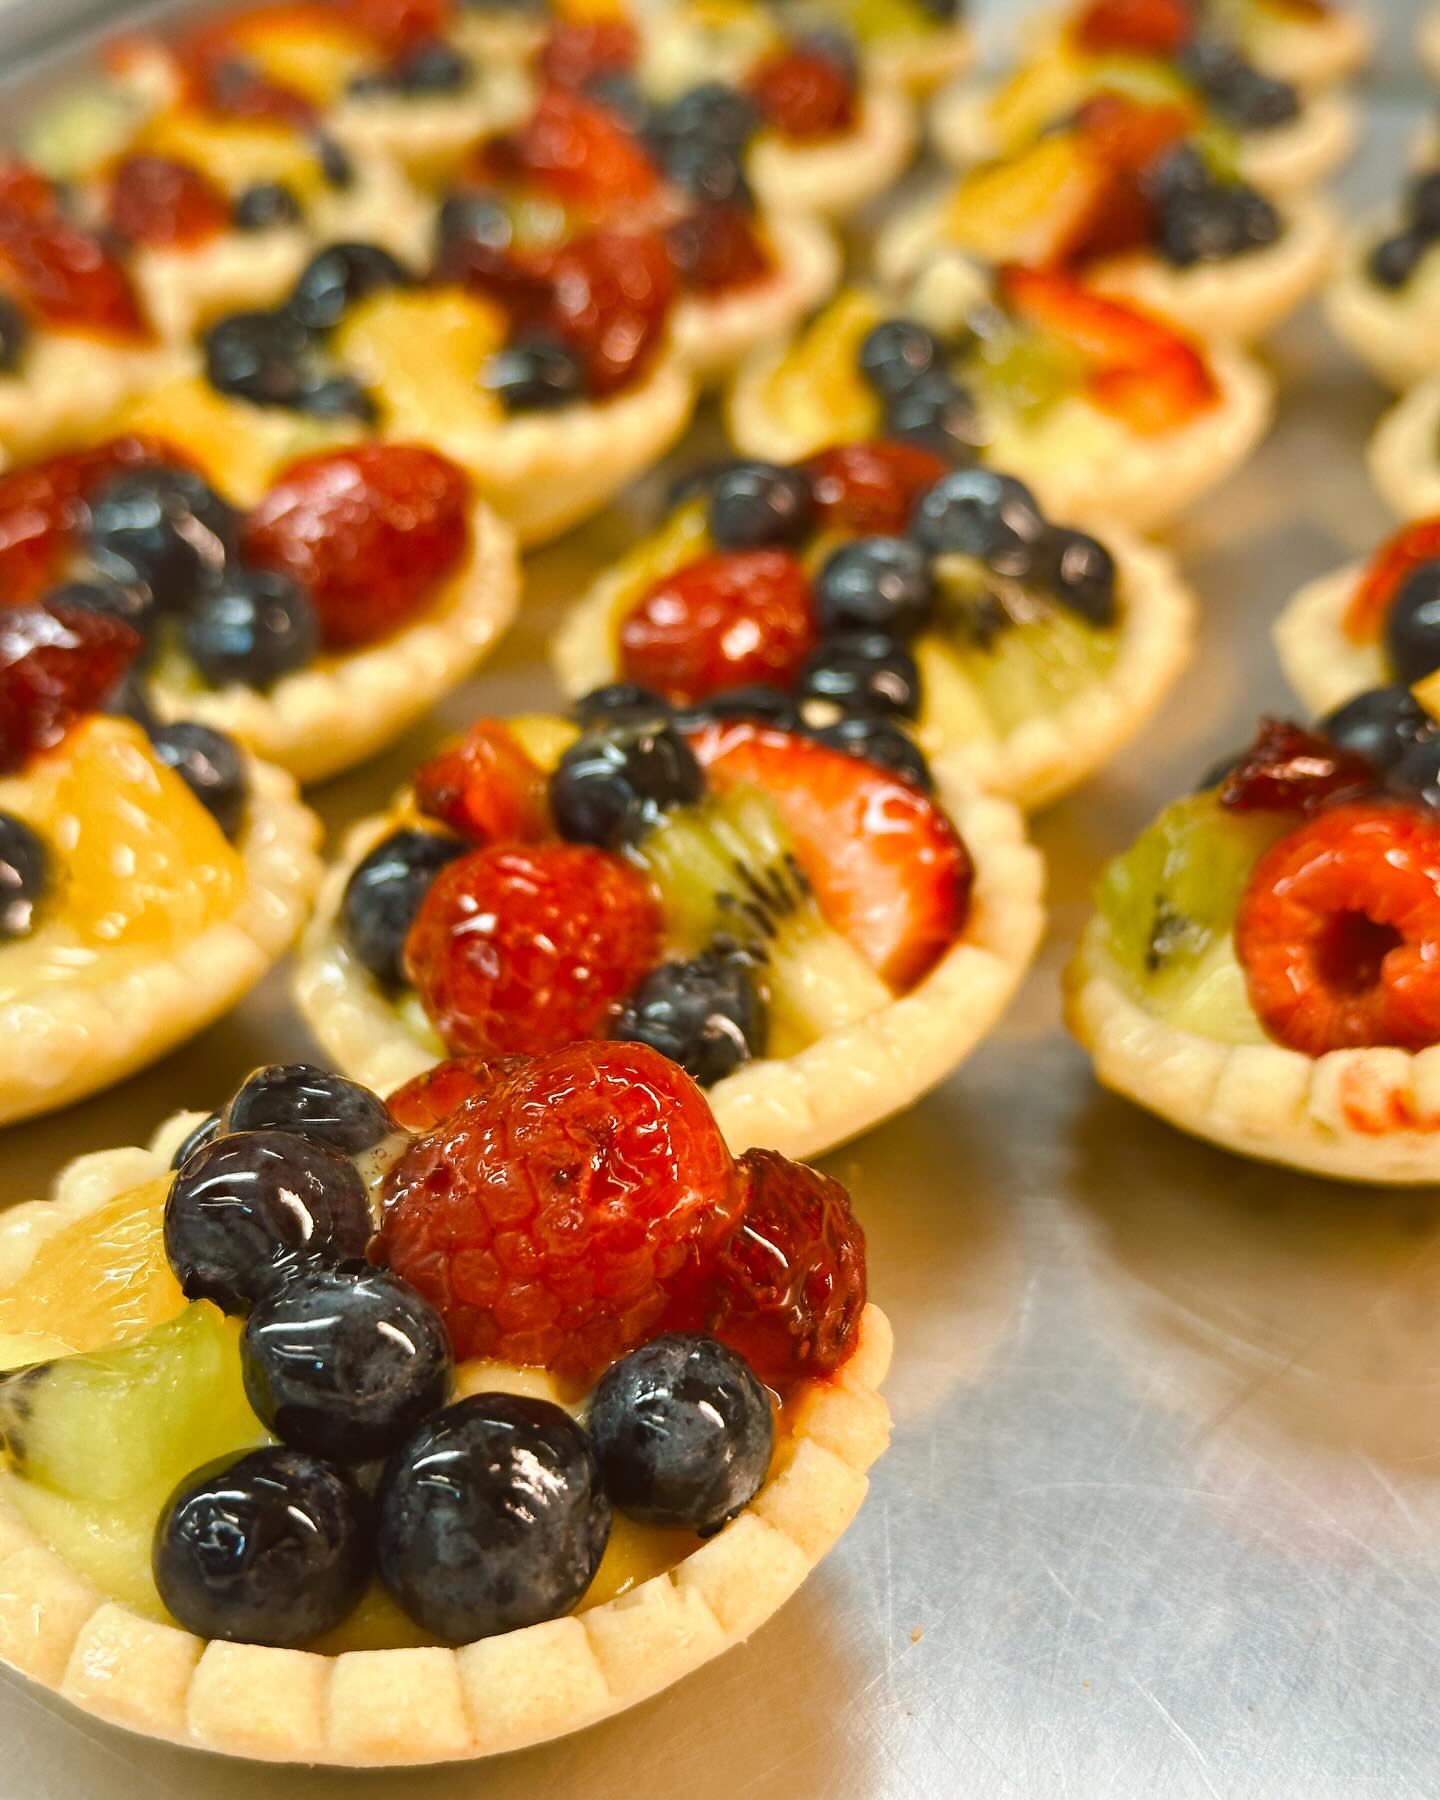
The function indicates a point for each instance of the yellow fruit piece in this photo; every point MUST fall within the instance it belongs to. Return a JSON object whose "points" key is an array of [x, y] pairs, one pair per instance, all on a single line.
{"points": [[237, 154], [315, 57], [580, 12], [683, 538], [82, 131], [1029, 209], [108, 1544], [378, 1622], [101, 1279], [18, 1349], [1427, 692], [422, 352], [634, 1554], [818, 389], [1036, 96], [543, 737]]}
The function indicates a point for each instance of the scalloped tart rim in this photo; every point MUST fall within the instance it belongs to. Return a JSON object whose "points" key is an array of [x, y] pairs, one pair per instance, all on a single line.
{"points": [[713, 334], [835, 178], [1394, 339], [1403, 455], [1319, 661], [374, 1708]]}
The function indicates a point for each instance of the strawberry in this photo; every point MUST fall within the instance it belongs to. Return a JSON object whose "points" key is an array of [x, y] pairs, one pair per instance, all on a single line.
{"points": [[726, 621], [159, 200], [1288, 769], [485, 787], [438, 1094], [1128, 136], [56, 665], [372, 532], [1385, 574], [888, 869], [552, 1217], [517, 949], [610, 296], [804, 94], [1148, 27], [578, 51], [716, 248], [580, 152], [1339, 931], [58, 271], [870, 489]]}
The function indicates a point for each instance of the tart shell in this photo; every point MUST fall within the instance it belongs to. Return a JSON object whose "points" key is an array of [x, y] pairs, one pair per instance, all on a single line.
{"points": [[712, 335], [369, 1708], [1355, 1115], [74, 1038], [1323, 665], [326, 718], [1403, 455], [800, 1105], [835, 178], [1393, 334], [69, 382], [921, 66]]}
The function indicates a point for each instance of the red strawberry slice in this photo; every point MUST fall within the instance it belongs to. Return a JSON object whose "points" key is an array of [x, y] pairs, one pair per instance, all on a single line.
{"points": [[1151, 27], [871, 488], [1388, 570], [485, 787], [887, 867], [581, 152]]}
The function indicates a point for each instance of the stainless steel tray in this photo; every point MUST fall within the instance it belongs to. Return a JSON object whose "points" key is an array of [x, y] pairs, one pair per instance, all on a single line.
{"points": [[1162, 1515]]}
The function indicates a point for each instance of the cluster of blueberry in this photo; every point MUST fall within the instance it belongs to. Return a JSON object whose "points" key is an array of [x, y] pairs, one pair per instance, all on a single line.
{"points": [[1203, 217], [431, 66], [1395, 258], [1238, 91], [481, 1516]]}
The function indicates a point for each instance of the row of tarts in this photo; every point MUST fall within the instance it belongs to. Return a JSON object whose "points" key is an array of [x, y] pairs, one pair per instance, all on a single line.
{"points": [[460, 1397]]}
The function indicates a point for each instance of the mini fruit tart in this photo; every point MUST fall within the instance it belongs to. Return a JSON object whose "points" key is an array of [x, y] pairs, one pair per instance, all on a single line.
{"points": [[1260, 966], [1384, 302], [146, 882], [812, 927], [874, 588], [303, 1465], [1280, 139], [1403, 455], [315, 626], [1105, 410], [1124, 197]]}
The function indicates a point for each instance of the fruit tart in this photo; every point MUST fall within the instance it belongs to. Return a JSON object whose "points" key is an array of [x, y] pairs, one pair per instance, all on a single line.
{"points": [[1385, 299], [501, 1426], [1123, 195], [1403, 455], [882, 595], [147, 879], [1280, 139], [816, 926], [1260, 964], [1104, 409], [315, 626]]}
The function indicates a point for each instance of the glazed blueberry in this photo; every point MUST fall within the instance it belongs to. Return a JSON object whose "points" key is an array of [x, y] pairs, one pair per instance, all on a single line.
{"points": [[1395, 259], [336, 397], [434, 67], [1382, 724], [1417, 774], [981, 513], [613, 783], [1412, 626], [708, 1015], [1216, 225], [875, 584], [196, 1139], [336, 277], [14, 335], [770, 705], [492, 1517], [472, 216], [713, 173], [165, 527], [335, 163], [896, 353], [713, 112], [131, 601], [618, 90], [1422, 202], [345, 1362], [256, 626], [384, 893], [936, 413], [24, 877], [1238, 90], [265, 207], [210, 765], [536, 373], [314, 1103], [695, 483], [1082, 576], [865, 672], [755, 505], [262, 357], [268, 1547], [880, 741], [618, 700], [247, 1208], [684, 1433], [1182, 170]]}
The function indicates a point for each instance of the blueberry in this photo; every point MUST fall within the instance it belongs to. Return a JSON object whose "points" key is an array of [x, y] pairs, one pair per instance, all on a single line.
{"points": [[1182, 170], [1395, 259], [246, 1208], [863, 671], [433, 67], [384, 893], [492, 1517], [130, 601], [1381, 724], [536, 373], [196, 1139], [268, 1547], [336, 277], [335, 164], [257, 626], [896, 353], [618, 90], [992, 517], [755, 504], [345, 1362], [613, 783], [712, 113], [165, 527], [1237, 90], [1422, 202], [262, 357], [708, 1015], [210, 765], [1417, 774], [1216, 225], [314, 1103], [265, 207], [24, 877], [1082, 576], [768, 705], [935, 413], [684, 1433], [14, 335], [336, 397], [1412, 627], [875, 584], [695, 483], [879, 741], [618, 700], [712, 173], [473, 216]]}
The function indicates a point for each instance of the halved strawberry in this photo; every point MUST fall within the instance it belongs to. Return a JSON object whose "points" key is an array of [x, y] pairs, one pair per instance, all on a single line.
{"points": [[580, 152], [1385, 574], [871, 488], [485, 787], [579, 49], [887, 867]]}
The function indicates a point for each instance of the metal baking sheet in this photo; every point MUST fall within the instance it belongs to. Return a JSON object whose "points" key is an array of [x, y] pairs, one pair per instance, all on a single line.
{"points": [[1162, 1515]]}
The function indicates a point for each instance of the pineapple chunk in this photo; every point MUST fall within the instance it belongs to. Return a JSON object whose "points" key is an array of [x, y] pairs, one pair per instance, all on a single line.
{"points": [[1034, 97], [236, 153], [1031, 209], [1427, 692], [300, 49], [422, 352], [543, 737], [818, 389]]}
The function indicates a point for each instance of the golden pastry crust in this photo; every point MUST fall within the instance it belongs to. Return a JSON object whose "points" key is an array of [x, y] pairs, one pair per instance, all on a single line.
{"points": [[429, 134], [832, 179], [713, 335], [1393, 333], [368, 1708], [1403, 455], [1354, 1115], [67, 383], [181, 290], [342, 709], [801, 1105], [1323, 665], [1106, 468], [71, 1039]]}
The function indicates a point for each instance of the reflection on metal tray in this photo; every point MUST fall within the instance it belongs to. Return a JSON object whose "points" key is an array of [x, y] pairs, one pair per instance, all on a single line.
{"points": [[1162, 1516]]}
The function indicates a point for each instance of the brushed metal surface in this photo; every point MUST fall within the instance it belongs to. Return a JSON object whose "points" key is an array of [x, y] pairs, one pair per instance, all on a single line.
{"points": [[1162, 1516]]}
